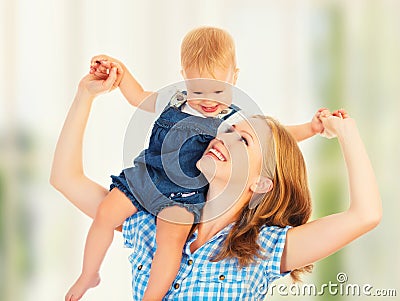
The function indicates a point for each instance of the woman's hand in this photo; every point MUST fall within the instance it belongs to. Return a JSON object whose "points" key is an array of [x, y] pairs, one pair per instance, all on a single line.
{"points": [[94, 86], [101, 65], [334, 124]]}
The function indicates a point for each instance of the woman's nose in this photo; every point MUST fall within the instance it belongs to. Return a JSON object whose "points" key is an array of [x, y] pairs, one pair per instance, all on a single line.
{"points": [[227, 136]]}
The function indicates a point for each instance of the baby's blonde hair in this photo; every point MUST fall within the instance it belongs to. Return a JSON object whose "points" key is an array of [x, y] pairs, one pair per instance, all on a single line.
{"points": [[207, 48]]}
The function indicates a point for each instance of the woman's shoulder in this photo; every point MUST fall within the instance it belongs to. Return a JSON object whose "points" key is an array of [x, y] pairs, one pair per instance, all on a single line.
{"points": [[271, 237], [139, 227]]}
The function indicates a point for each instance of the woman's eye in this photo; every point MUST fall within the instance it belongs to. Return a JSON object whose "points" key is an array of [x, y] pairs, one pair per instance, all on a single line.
{"points": [[244, 140], [229, 129]]}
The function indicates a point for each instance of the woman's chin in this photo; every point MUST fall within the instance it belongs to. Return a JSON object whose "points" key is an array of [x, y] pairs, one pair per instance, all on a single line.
{"points": [[207, 166]]}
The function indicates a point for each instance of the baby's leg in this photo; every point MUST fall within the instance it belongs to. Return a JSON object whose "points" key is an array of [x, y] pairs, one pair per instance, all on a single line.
{"points": [[171, 238], [112, 212]]}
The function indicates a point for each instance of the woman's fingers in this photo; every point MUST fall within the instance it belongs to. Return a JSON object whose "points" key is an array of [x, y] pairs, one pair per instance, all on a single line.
{"points": [[325, 113], [120, 73], [100, 63], [109, 82], [105, 67], [341, 113], [329, 128], [100, 75], [102, 66]]}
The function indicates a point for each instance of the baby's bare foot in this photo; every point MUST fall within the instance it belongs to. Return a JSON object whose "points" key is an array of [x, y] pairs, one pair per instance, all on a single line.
{"points": [[81, 285]]}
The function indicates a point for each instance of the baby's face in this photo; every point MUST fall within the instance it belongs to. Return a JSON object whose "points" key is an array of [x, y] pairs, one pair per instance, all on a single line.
{"points": [[208, 94]]}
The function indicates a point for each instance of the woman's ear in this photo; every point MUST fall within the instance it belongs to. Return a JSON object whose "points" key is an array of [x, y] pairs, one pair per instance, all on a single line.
{"points": [[263, 185]]}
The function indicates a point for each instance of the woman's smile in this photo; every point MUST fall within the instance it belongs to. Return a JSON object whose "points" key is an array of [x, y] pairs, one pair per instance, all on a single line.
{"points": [[213, 152]]}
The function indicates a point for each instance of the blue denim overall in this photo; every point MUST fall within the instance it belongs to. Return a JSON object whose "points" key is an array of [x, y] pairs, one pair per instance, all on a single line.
{"points": [[165, 174]]}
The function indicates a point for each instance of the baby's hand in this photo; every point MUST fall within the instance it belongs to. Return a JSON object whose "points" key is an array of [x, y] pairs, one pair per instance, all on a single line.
{"points": [[101, 65]]}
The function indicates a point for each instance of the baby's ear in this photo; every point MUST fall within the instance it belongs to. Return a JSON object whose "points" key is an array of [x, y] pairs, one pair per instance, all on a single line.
{"points": [[263, 185], [183, 73]]}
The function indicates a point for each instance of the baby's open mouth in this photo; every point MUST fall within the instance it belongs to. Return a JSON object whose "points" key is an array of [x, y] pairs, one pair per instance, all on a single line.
{"points": [[209, 109]]}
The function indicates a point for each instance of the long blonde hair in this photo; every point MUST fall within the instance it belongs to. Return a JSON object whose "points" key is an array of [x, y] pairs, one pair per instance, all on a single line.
{"points": [[206, 48], [288, 203]]}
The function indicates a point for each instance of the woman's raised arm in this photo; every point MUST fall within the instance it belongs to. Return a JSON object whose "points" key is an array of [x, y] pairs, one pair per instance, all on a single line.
{"points": [[67, 174], [315, 240]]}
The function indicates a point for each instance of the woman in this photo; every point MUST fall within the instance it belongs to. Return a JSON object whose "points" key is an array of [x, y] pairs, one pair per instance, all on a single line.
{"points": [[254, 226]]}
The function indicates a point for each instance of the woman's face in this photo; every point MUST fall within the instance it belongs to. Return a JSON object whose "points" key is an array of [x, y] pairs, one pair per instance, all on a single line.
{"points": [[234, 157]]}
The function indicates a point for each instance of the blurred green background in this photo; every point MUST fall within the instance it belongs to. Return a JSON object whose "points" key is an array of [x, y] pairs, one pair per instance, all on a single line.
{"points": [[294, 57]]}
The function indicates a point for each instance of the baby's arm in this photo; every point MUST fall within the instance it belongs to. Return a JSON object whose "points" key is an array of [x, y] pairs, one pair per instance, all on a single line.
{"points": [[130, 87], [306, 130]]}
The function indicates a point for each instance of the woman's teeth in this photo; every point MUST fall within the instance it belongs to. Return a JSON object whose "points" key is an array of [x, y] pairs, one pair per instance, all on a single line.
{"points": [[217, 154]]}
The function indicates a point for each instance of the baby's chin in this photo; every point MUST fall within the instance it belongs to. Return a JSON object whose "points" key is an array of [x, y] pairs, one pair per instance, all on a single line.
{"points": [[207, 167]]}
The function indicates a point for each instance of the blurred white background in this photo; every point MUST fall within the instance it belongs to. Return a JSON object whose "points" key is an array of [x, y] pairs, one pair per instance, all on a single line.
{"points": [[294, 57]]}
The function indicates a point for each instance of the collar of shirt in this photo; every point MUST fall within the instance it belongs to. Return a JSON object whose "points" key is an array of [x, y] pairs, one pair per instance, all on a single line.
{"points": [[222, 233], [186, 108]]}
